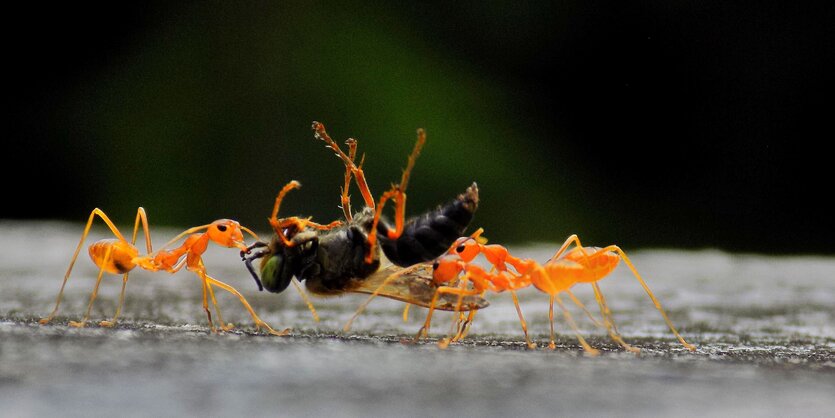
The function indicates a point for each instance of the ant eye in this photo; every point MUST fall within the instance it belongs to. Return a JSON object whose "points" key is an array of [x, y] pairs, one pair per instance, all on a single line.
{"points": [[221, 228], [435, 265], [460, 248]]}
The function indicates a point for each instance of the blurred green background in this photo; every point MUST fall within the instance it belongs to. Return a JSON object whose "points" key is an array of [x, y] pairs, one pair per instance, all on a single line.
{"points": [[649, 124]]}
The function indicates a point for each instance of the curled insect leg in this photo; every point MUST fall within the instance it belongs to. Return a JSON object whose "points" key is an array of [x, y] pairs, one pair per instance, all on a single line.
{"points": [[398, 192], [588, 349], [359, 176], [607, 320], [258, 322]]}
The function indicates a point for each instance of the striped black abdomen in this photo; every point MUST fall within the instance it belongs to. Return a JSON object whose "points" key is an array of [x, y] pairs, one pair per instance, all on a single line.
{"points": [[429, 235]]}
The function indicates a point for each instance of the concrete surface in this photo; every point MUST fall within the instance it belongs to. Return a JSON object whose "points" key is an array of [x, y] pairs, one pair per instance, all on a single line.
{"points": [[765, 328]]}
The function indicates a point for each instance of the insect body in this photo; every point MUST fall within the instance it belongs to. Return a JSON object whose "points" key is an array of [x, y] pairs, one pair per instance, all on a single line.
{"points": [[120, 256], [345, 256]]}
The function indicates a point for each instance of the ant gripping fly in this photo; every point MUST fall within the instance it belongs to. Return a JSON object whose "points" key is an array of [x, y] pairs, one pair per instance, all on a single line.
{"points": [[561, 272], [345, 256], [118, 256]]}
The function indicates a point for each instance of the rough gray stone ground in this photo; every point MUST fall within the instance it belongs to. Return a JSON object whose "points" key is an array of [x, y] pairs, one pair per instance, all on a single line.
{"points": [[765, 327]]}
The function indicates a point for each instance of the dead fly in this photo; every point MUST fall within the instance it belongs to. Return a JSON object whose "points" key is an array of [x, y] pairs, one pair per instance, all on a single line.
{"points": [[345, 256]]}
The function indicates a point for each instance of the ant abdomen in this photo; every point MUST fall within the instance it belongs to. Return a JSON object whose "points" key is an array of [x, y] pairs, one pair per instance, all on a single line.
{"points": [[113, 255]]}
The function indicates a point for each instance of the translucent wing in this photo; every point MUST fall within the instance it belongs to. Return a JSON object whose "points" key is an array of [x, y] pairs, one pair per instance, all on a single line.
{"points": [[413, 285]]}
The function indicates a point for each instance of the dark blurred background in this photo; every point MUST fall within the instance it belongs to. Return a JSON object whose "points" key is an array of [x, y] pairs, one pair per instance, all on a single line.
{"points": [[647, 124]]}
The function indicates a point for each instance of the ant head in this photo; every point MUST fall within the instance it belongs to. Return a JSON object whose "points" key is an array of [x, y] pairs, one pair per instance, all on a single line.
{"points": [[227, 233], [467, 248], [446, 268]]}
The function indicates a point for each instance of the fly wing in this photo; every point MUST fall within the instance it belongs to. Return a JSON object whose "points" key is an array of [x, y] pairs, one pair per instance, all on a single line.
{"points": [[413, 285]]}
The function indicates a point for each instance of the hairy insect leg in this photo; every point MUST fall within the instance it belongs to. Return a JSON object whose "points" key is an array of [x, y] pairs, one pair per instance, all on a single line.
{"points": [[371, 297], [655, 301], [274, 222], [406, 312], [96, 212], [258, 322], [307, 301], [359, 176], [345, 197], [398, 192], [588, 349], [608, 323]]}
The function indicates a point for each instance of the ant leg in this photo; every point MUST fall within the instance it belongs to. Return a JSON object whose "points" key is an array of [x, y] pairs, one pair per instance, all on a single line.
{"points": [[112, 322], [588, 349], [359, 176], [142, 218], [572, 239], [424, 330], [223, 325], [258, 322], [457, 317], [96, 212], [206, 303], [607, 320], [583, 307], [531, 345], [95, 292], [655, 301], [465, 327]]}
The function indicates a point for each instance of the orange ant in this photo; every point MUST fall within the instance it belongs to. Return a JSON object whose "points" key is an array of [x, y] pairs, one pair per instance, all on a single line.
{"points": [[118, 256], [562, 271]]}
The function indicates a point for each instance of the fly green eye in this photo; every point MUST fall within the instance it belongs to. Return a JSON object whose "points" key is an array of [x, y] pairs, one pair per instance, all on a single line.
{"points": [[275, 273]]}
